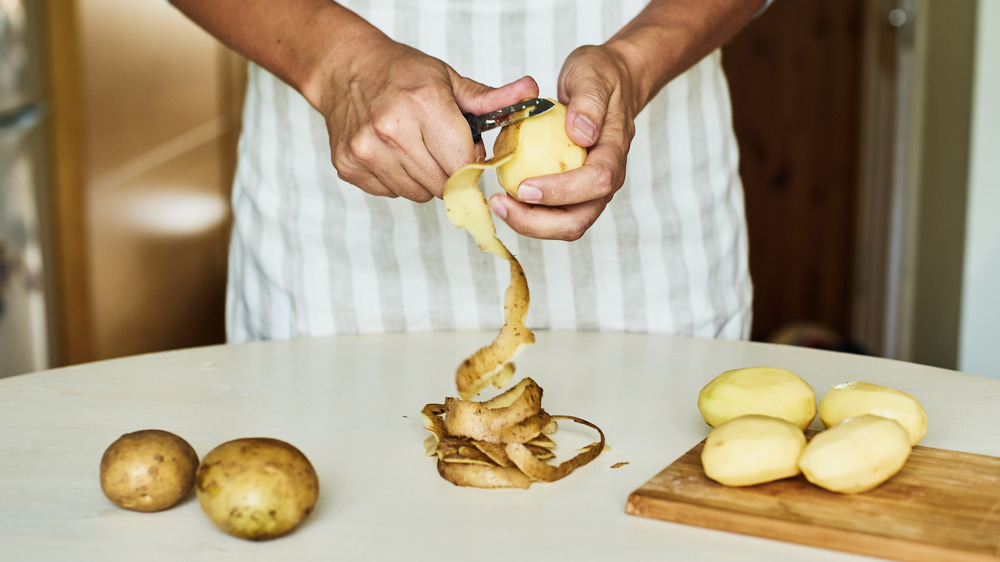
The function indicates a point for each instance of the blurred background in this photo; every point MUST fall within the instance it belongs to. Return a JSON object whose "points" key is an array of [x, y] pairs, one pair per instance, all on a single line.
{"points": [[869, 131]]}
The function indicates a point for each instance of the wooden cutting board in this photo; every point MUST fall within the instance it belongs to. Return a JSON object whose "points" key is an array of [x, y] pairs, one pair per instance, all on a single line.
{"points": [[943, 505]]}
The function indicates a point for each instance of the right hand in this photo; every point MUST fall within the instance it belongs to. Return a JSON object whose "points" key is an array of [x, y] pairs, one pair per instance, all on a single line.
{"points": [[600, 103], [394, 116]]}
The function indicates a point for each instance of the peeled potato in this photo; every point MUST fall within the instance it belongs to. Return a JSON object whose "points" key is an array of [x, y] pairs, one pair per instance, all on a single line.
{"points": [[859, 398], [751, 450], [540, 146], [148, 470], [767, 391], [856, 455], [256, 488]]}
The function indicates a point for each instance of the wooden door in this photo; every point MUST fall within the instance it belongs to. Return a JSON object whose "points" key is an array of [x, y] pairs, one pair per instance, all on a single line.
{"points": [[795, 76], [143, 127]]}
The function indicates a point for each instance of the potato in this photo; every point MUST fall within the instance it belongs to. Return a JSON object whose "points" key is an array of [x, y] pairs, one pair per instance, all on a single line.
{"points": [[767, 391], [541, 147], [752, 449], [148, 470], [859, 398], [856, 455], [256, 488]]}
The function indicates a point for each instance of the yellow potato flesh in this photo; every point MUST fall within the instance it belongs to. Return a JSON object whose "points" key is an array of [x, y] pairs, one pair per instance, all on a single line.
{"points": [[766, 391], [148, 470], [256, 488], [751, 450], [856, 455], [859, 398], [540, 146]]}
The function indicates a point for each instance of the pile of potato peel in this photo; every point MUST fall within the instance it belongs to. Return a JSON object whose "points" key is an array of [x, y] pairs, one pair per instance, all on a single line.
{"points": [[503, 442]]}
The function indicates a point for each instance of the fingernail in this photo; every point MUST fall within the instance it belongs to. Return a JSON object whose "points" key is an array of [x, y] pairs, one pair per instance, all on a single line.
{"points": [[585, 128], [497, 207], [529, 193]]}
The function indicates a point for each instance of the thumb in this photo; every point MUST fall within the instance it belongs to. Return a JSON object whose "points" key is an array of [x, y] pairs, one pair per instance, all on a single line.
{"points": [[587, 98], [477, 98]]}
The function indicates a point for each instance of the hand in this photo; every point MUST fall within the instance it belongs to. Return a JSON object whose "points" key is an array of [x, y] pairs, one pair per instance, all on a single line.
{"points": [[597, 89], [394, 116]]}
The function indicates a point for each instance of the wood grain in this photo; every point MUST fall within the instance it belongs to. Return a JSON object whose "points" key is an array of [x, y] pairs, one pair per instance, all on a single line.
{"points": [[943, 505]]}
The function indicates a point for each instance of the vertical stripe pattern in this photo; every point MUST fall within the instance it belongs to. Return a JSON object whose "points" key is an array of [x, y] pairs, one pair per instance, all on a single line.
{"points": [[311, 255]]}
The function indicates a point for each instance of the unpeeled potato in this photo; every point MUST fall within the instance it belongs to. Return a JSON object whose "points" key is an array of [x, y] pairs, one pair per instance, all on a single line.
{"points": [[256, 488], [148, 470]]}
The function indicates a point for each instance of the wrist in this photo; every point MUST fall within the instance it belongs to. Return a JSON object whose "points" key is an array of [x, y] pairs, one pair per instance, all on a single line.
{"points": [[638, 70], [345, 39], [668, 37]]}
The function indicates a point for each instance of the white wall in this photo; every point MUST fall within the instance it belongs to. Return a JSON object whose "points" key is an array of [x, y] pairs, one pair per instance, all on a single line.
{"points": [[979, 334]]}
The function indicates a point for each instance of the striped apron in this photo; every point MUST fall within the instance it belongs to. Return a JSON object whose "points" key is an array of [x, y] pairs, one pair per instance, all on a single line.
{"points": [[311, 255]]}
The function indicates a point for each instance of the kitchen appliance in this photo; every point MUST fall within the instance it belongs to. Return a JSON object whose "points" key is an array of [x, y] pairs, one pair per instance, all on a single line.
{"points": [[24, 307]]}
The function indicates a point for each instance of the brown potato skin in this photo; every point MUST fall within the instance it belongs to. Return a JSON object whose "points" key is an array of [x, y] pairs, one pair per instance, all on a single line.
{"points": [[256, 488], [148, 470]]}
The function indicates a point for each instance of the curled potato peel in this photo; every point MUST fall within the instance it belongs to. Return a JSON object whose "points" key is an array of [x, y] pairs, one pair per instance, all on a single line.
{"points": [[476, 419], [467, 208], [477, 476], [520, 432], [533, 147], [503, 442], [537, 469]]}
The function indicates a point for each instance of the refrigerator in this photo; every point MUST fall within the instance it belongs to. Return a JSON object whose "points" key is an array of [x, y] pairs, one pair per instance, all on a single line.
{"points": [[25, 310]]}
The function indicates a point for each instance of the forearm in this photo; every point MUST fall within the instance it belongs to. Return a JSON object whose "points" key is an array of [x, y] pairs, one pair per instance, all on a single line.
{"points": [[670, 36], [301, 42]]}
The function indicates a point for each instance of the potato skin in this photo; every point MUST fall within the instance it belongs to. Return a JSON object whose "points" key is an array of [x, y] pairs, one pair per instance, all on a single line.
{"points": [[148, 470], [256, 488]]}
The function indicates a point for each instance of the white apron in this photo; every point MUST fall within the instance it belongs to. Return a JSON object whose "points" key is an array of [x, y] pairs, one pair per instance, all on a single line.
{"points": [[311, 255]]}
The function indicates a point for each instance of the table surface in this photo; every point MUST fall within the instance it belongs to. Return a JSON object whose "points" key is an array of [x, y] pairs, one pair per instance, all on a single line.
{"points": [[352, 405]]}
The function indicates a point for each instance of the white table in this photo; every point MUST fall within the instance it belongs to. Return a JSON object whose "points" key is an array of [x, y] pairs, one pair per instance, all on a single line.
{"points": [[352, 405]]}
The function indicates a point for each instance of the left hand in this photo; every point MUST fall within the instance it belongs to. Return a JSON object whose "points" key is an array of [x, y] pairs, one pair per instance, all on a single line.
{"points": [[598, 91]]}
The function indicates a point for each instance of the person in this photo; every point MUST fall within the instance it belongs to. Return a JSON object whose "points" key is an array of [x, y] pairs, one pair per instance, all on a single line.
{"points": [[353, 122]]}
